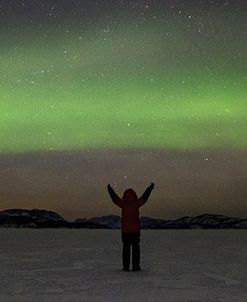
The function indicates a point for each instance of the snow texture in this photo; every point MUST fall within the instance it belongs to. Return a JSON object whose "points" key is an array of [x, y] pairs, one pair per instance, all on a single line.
{"points": [[85, 265]]}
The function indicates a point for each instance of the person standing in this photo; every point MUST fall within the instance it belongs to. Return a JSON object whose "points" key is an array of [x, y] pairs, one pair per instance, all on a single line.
{"points": [[130, 224]]}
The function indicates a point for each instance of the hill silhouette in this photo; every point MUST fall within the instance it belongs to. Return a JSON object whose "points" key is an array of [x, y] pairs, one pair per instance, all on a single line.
{"points": [[41, 218]]}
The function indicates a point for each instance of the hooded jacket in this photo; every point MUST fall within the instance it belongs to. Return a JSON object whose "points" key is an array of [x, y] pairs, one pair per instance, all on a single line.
{"points": [[129, 204]]}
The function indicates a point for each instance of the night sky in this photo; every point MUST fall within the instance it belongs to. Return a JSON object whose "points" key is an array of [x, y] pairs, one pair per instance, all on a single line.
{"points": [[126, 93]]}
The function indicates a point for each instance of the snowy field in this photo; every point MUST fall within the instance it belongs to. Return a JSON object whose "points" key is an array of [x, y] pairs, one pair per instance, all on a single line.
{"points": [[85, 265]]}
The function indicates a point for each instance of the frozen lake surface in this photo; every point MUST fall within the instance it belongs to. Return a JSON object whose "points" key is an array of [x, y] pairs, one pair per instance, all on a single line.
{"points": [[85, 265]]}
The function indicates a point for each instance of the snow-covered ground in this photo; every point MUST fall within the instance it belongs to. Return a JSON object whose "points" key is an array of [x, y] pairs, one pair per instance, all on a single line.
{"points": [[85, 265]]}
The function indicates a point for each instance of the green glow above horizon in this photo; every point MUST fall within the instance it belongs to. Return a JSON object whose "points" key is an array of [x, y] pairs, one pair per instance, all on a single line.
{"points": [[119, 89]]}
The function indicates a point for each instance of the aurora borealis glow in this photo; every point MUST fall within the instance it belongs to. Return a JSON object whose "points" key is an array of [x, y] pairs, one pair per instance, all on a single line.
{"points": [[167, 82], [77, 76]]}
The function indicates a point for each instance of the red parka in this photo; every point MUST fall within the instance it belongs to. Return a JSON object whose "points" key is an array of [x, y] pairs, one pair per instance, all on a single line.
{"points": [[130, 204]]}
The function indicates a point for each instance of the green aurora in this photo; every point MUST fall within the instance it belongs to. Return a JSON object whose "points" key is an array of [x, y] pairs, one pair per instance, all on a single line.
{"points": [[159, 85]]}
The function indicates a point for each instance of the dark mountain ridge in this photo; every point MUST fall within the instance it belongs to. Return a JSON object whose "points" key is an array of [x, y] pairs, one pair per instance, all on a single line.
{"points": [[37, 218]]}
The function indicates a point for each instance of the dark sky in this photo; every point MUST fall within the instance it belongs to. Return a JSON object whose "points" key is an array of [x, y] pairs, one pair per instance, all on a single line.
{"points": [[127, 93], [74, 183], [91, 11]]}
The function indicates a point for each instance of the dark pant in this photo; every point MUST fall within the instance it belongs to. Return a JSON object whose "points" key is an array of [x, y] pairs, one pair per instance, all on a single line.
{"points": [[131, 239]]}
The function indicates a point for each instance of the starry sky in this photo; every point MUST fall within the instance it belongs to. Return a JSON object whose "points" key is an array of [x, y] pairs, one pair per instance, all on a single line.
{"points": [[127, 93]]}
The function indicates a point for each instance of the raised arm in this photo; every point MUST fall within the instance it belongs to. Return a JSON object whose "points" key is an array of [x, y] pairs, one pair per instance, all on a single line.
{"points": [[145, 195], [115, 198]]}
